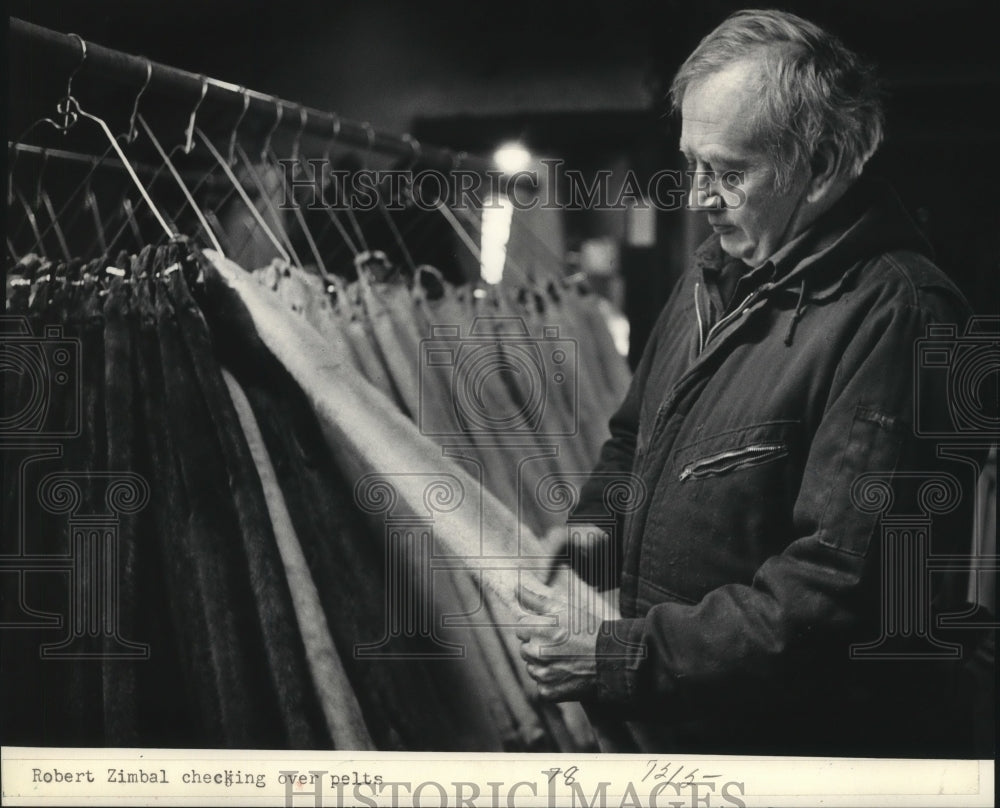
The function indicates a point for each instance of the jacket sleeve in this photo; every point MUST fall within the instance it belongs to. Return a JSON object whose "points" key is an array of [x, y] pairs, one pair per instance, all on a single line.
{"points": [[740, 639]]}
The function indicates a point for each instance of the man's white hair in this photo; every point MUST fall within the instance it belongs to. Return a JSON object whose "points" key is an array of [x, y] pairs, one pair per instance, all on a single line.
{"points": [[811, 89]]}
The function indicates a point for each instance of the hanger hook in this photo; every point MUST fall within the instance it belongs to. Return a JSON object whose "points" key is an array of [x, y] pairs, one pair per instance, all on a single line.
{"points": [[303, 121], [330, 144], [130, 135], [189, 132], [370, 133], [236, 126], [80, 64], [279, 111], [416, 150], [69, 115]]}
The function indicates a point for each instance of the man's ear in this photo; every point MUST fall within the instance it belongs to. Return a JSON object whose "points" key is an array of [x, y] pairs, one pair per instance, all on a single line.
{"points": [[824, 171]]}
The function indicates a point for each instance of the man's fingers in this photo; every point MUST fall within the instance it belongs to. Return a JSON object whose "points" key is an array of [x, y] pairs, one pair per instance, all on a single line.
{"points": [[530, 627], [558, 691], [575, 545], [531, 652], [532, 601]]}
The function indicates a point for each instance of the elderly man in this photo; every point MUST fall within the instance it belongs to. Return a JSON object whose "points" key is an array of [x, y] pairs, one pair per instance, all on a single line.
{"points": [[779, 372]]}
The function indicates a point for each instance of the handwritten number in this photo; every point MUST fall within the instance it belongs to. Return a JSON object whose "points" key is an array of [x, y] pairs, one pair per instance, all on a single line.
{"points": [[664, 772], [569, 775]]}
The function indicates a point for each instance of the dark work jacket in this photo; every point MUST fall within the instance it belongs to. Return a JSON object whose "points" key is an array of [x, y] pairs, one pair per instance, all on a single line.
{"points": [[747, 571]]}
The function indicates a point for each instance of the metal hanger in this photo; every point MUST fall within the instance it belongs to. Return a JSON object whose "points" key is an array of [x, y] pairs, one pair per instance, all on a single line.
{"points": [[277, 229], [236, 126], [211, 214], [205, 226], [328, 162], [348, 210], [58, 222], [132, 222], [387, 216], [43, 200], [14, 195], [456, 225], [279, 111], [69, 107], [241, 192], [30, 217], [296, 209], [189, 131], [90, 202], [167, 162], [188, 146], [132, 132]]}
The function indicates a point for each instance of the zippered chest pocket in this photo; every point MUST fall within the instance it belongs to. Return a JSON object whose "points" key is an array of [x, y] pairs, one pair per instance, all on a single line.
{"points": [[732, 459], [722, 506], [734, 450]]}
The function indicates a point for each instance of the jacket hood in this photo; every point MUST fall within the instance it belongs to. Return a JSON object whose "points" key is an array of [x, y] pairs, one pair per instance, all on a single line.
{"points": [[867, 221]]}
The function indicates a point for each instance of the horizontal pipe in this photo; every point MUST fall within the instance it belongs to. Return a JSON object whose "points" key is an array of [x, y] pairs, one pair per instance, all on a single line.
{"points": [[128, 69]]}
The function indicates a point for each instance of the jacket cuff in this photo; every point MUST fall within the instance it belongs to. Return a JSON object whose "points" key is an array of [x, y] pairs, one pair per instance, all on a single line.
{"points": [[620, 652]]}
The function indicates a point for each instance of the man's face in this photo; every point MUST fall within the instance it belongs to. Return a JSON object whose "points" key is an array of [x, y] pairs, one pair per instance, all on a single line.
{"points": [[715, 138]]}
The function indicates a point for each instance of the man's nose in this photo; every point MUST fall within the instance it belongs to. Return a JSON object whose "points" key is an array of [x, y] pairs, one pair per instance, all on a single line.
{"points": [[704, 194]]}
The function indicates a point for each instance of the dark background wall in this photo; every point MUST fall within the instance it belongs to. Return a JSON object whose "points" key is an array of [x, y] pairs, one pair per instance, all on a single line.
{"points": [[582, 80]]}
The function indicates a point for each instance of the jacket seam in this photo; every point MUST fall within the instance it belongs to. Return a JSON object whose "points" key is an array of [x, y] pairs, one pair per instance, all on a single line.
{"points": [[901, 305], [861, 412], [821, 526], [891, 259]]}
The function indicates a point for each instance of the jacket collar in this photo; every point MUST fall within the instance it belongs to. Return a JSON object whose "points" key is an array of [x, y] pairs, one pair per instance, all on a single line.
{"points": [[867, 221]]}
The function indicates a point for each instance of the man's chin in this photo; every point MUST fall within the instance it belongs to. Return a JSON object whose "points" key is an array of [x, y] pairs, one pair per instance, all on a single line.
{"points": [[734, 246]]}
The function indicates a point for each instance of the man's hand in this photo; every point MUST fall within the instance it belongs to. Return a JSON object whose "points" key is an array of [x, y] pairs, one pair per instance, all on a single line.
{"points": [[581, 548], [561, 652]]}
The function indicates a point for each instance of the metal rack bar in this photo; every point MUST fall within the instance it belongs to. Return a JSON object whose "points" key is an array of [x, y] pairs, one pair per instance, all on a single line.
{"points": [[128, 69]]}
